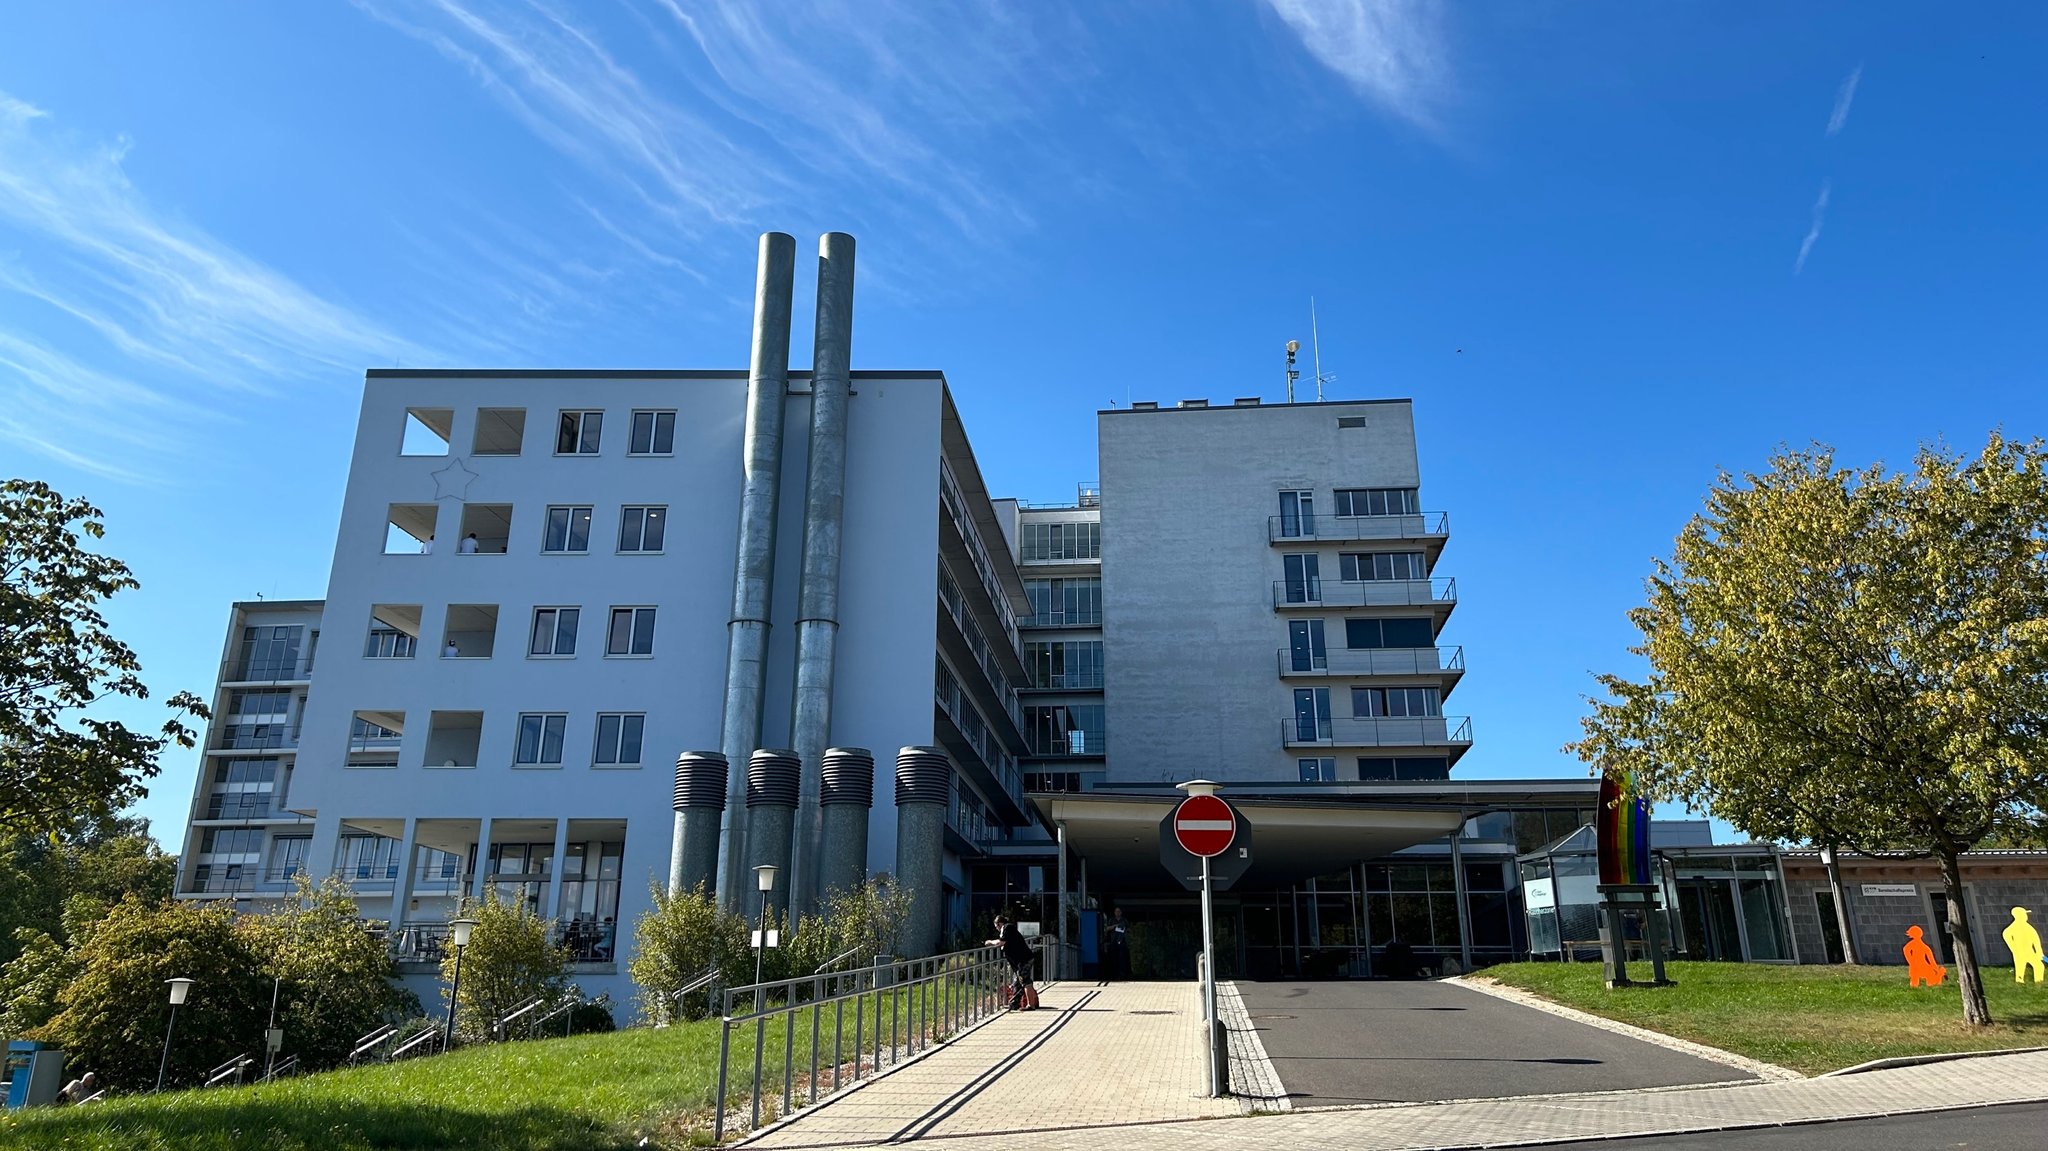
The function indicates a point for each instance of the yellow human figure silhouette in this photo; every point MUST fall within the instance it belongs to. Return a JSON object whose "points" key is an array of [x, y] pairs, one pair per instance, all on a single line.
{"points": [[2025, 944], [1921, 966]]}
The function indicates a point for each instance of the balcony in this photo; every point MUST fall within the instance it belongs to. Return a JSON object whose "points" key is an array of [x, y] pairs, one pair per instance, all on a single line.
{"points": [[1437, 732], [235, 672], [1312, 594], [256, 737], [246, 806], [1430, 529], [1447, 662]]}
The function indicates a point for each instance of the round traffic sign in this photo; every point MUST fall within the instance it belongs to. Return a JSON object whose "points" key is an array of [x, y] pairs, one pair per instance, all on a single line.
{"points": [[1204, 825]]}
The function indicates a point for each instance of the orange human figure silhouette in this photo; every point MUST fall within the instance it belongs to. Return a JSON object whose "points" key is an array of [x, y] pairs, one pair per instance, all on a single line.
{"points": [[2025, 944], [1921, 967]]}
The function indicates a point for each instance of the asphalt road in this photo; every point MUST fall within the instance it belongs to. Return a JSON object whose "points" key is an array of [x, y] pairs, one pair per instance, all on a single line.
{"points": [[2020, 1127], [1373, 1042]]}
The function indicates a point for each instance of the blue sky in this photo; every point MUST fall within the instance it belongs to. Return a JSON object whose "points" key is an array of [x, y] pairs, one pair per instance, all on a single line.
{"points": [[1607, 249]]}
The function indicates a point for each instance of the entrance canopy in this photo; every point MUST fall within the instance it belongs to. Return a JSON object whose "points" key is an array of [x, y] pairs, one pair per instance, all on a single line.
{"points": [[1293, 839]]}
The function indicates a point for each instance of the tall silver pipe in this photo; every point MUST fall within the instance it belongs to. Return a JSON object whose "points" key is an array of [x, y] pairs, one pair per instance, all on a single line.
{"points": [[753, 581], [817, 624]]}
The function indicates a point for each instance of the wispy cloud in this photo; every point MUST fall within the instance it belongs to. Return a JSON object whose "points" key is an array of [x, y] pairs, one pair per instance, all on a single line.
{"points": [[1844, 97], [1820, 217], [170, 316], [1391, 51]]}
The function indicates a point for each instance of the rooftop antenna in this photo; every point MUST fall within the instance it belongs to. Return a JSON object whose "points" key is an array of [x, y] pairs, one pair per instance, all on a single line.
{"points": [[1293, 373], [1316, 349]]}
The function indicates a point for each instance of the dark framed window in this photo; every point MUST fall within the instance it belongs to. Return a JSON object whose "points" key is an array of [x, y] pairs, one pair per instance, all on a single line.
{"points": [[568, 530], [631, 632], [1396, 702], [554, 631], [619, 738], [579, 433], [641, 528], [654, 434], [1377, 502], [1318, 769], [1355, 567], [540, 738], [1404, 631]]}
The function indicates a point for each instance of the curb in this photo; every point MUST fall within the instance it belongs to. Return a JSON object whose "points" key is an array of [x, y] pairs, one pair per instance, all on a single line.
{"points": [[1768, 1072], [1922, 1060]]}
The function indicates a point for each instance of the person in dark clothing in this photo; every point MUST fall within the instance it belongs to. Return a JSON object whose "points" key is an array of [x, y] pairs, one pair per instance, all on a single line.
{"points": [[1017, 953], [1116, 951]]}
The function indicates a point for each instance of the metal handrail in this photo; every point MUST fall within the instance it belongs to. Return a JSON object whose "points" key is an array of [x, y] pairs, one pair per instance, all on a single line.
{"points": [[1315, 592], [927, 1000], [421, 1040], [573, 1002], [285, 1066], [1379, 731], [370, 1042], [1326, 526], [499, 1027], [232, 1068], [1374, 661], [838, 959]]}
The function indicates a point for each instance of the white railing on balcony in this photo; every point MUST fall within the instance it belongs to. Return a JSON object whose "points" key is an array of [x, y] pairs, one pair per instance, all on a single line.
{"points": [[1378, 731], [1289, 528], [1374, 661]]}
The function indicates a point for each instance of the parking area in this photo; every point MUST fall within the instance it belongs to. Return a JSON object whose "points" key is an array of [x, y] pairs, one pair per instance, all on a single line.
{"points": [[1396, 1042]]}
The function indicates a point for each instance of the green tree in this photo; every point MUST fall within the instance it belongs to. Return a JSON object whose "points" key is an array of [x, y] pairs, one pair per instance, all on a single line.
{"points": [[57, 659], [1851, 657], [509, 960], [333, 979], [680, 938], [32, 981], [99, 860], [113, 1009]]}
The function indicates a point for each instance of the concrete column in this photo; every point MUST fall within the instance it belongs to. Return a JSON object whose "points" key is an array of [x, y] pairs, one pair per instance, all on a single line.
{"points": [[483, 860], [551, 903], [408, 867], [817, 624], [1061, 929], [700, 807], [746, 661], [771, 812], [1464, 903], [846, 798], [924, 778]]}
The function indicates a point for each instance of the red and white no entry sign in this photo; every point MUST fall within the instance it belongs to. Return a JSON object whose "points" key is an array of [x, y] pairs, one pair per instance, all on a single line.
{"points": [[1204, 825]]}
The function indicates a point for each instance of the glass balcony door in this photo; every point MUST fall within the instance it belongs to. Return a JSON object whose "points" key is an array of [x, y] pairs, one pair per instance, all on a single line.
{"points": [[1305, 645], [1311, 714]]}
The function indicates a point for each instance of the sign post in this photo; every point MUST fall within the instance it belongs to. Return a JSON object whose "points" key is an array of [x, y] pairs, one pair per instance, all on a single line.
{"points": [[1205, 826]]}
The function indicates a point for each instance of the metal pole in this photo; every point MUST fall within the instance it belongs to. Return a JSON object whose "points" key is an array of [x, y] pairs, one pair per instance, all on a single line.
{"points": [[1209, 973], [454, 990], [724, 1062], [1060, 932], [164, 1064], [760, 1020]]}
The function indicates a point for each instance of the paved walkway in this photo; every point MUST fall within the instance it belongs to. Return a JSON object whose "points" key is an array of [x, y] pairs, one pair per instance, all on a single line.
{"points": [[1119, 1068]]}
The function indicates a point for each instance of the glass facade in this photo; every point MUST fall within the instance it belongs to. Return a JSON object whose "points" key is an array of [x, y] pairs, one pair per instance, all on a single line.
{"points": [[1051, 543]]}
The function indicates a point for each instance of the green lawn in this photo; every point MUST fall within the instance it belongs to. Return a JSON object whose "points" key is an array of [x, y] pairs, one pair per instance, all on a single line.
{"points": [[1809, 1018], [586, 1093]]}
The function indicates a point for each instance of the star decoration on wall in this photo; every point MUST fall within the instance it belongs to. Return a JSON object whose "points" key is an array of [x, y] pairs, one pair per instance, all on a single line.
{"points": [[452, 482]]}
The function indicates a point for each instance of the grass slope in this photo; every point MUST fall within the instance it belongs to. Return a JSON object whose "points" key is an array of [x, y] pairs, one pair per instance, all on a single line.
{"points": [[1809, 1018]]}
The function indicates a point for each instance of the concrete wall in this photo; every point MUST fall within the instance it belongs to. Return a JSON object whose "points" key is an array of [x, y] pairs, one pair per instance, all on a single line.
{"points": [[1189, 628], [1994, 887]]}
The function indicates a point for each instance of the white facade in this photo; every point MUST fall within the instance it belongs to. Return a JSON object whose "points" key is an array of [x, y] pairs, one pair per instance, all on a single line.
{"points": [[455, 738]]}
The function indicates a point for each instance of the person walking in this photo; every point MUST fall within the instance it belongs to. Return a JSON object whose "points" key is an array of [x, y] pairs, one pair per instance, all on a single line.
{"points": [[1017, 953], [1117, 947]]}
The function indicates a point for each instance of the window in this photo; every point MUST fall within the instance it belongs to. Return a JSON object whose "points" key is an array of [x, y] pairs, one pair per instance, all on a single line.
{"points": [[1304, 582], [245, 771], [1064, 663], [1396, 702], [427, 431], [554, 631], [1305, 650], [409, 529], [1311, 714], [1350, 421], [540, 739], [1404, 767], [367, 857], [618, 739], [1297, 514], [486, 529], [1065, 729], [1064, 602], [1377, 502], [579, 433], [632, 632], [1375, 633], [470, 632], [231, 841], [1048, 543], [1360, 566], [394, 631], [568, 530], [270, 653], [1323, 770], [288, 855], [641, 529], [654, 434], [499, 432], [1416, 903]]}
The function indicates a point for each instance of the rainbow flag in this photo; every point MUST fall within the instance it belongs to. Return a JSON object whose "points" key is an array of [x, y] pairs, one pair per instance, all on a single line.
{"points": [[1623, 833]]}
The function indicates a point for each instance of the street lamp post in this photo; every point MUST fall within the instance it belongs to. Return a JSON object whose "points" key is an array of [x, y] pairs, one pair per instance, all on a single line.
{"points": [[764, 879], [180, 987], [459, 929]]}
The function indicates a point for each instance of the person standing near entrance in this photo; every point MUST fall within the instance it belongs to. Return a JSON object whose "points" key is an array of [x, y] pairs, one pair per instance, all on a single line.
{"points": [[1116, 950], [1017, 953]]}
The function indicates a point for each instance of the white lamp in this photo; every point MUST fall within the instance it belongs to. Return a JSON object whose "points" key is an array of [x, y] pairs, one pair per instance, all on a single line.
{"points": [[180, 987], [764, 876], [461, 929]]}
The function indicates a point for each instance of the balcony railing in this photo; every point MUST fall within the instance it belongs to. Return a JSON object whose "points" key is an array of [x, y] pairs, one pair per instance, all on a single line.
{"points": [[247, 805], [1062, 619], [260, 670], [1069, 681], [1374, 661], [1313, 593], [256, 736], [1378, 731], [422, 943], [588, 941], [1288, 529]]}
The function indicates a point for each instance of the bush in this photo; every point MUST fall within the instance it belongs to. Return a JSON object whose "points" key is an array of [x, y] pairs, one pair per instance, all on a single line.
{"points": [[679, 939], [509, 961], [336, 980]]}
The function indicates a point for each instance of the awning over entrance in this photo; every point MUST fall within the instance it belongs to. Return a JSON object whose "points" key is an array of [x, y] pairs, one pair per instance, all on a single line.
{"points": [[1292, 839]]}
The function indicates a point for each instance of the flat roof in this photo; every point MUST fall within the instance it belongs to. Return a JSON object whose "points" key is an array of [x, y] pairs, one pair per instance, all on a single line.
{"points": [[620, 374], [1231, 406]]}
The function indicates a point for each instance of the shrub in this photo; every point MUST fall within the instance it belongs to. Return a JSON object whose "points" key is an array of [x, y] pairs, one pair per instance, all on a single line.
{"points": [[677, 940], [509, 961], [335, 980]]}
